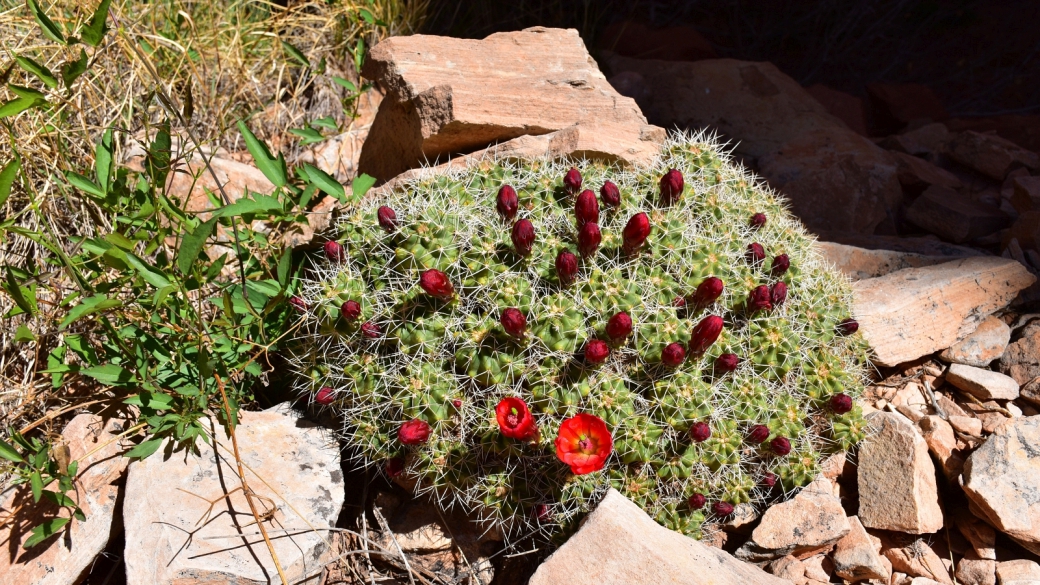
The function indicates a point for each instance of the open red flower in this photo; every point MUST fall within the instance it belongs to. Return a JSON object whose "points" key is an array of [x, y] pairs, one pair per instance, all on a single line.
{"points": [[414, 432], [515, 419], [584, 443]]}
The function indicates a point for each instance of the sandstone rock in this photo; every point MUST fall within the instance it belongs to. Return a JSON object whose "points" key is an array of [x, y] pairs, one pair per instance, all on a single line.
{"points": [[982, 384], [1018, 572], [673, 43], [923, 581], [846, 107], [449, 96], [981, 347], [1026, 230], [966, 424], [1002, 480], [861, 263], [955, 217], [812, 519], [972, 570], [897, 104], [982, 537], [64, 559], [753, 104], [897, 489], [916, 175], [619, 544], [924, 246], [1023, 130], [818, 568], [943, 444], [1031, 391], [855, 557], [926, 140], [631, 84], [1026, 194], [1021, 359], [917, 559], [293, 467], [988, 154], [917, 311], [789, 568]]}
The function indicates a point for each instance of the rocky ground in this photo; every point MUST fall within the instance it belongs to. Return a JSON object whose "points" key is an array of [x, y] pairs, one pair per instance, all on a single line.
{"points": [[938, 224]]}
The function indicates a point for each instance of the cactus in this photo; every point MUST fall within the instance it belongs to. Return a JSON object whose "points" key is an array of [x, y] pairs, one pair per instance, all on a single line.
{"points": [[510, 344]]}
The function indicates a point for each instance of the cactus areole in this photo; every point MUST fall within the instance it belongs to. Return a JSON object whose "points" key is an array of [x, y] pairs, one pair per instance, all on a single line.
{"points": [[509, 343]]}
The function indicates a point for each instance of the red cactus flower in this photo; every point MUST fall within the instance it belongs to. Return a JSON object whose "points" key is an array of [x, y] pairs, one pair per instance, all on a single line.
{"points": [[387, 218], [678, 302], [726, 363], [769, 479], [705, 333], [841, 403], [566, 267], [758, 220], [334, 251], [635, 233], [572, 180], [700, 432], [514, 322], [756, 254], [436, 284], [610, 194], [394, 467], [778, 294], [515, 419], [414, 432], [523, 236], [673, 355], [697, 501], [707, 291], [672, 184], [298, 304], [848, 327], [781, 446], [722, 509], [758, 434], [350, 310], [759, 300], [325, 396], [586, 208], [589, 238], [584, 443], [371, 330], [780, 264], [507, 202], [619, 326], [597, 351]]}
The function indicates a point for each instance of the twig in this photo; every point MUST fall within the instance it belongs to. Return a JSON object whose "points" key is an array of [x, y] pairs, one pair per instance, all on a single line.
{"points": [[383, 525], [462, 553]]}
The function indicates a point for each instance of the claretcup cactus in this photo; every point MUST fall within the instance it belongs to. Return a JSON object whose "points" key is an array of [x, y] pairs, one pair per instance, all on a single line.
{"points": [[505, 341]]}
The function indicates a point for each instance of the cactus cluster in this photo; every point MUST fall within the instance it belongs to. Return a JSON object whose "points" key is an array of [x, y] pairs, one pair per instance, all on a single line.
{"points": [[514, 342]]}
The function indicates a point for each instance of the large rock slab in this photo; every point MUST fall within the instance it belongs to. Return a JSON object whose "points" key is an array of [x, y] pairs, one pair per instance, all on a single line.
{"points": [[917, 311], [447, 96], [955, 217], [1018, 572], [855, 556], [896, 477], [989, 154], [981, 383], [293, 467], [673, 43], [861, 263], [64, 559], [985, 344], [619, 545], [917, 174], [844, 106], [836, 180], [1002, 480], [1021, 359], [920, 561], [809, 521]]}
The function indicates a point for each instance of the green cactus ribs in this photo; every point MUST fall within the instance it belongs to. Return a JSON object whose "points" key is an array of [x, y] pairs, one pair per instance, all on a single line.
{"points": [[517, 337]]}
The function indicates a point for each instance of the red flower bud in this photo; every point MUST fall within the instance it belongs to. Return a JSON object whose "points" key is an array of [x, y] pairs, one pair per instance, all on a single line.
{"points": [[758, 220], [566, 267], [841, 403], [457, 403], [507, 202], [778, 294], [780, 264], [848, 327], [700, 432], [673, 355], [722, 509], [758, 300], [697, 501], [436, 284], [515, 419], [572, 181], [414, 432], [610, 194], [514, 322], [298, 304], [597, 351], [350, 310], [636, 231], [541, 513], [325, 396], [769, 479], [705, 333], [679, 302], [671, 187], [758, 434], [523, 236], [387, 218], [707, 291], [726, 363], [334, 251], [756, 254], [781, 446], [371, 330], [589, 238], [394, 467], [586, 208], [619, 326]]}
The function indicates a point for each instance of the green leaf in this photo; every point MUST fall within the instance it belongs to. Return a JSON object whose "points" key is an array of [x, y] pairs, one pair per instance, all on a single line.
{"points": [[50, 30], [308, 135], [26, 92], [325, 182], [361, 185], [84, 184], [59, 499], [366, 16], [346, 84], [26, 302], [44, 531], [72, 69], [272, 168], [36, 483], [109, 374], [145, 448], [23, 334], [89, 306], [95, 31], [151, 400], [7, 451], [7, 176], [193, 243], [151, 275], [296, 54], [103, 161], [16, 106], [326, 122], [118, 239], [284, 266], [261, 203], [38, 70]]}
